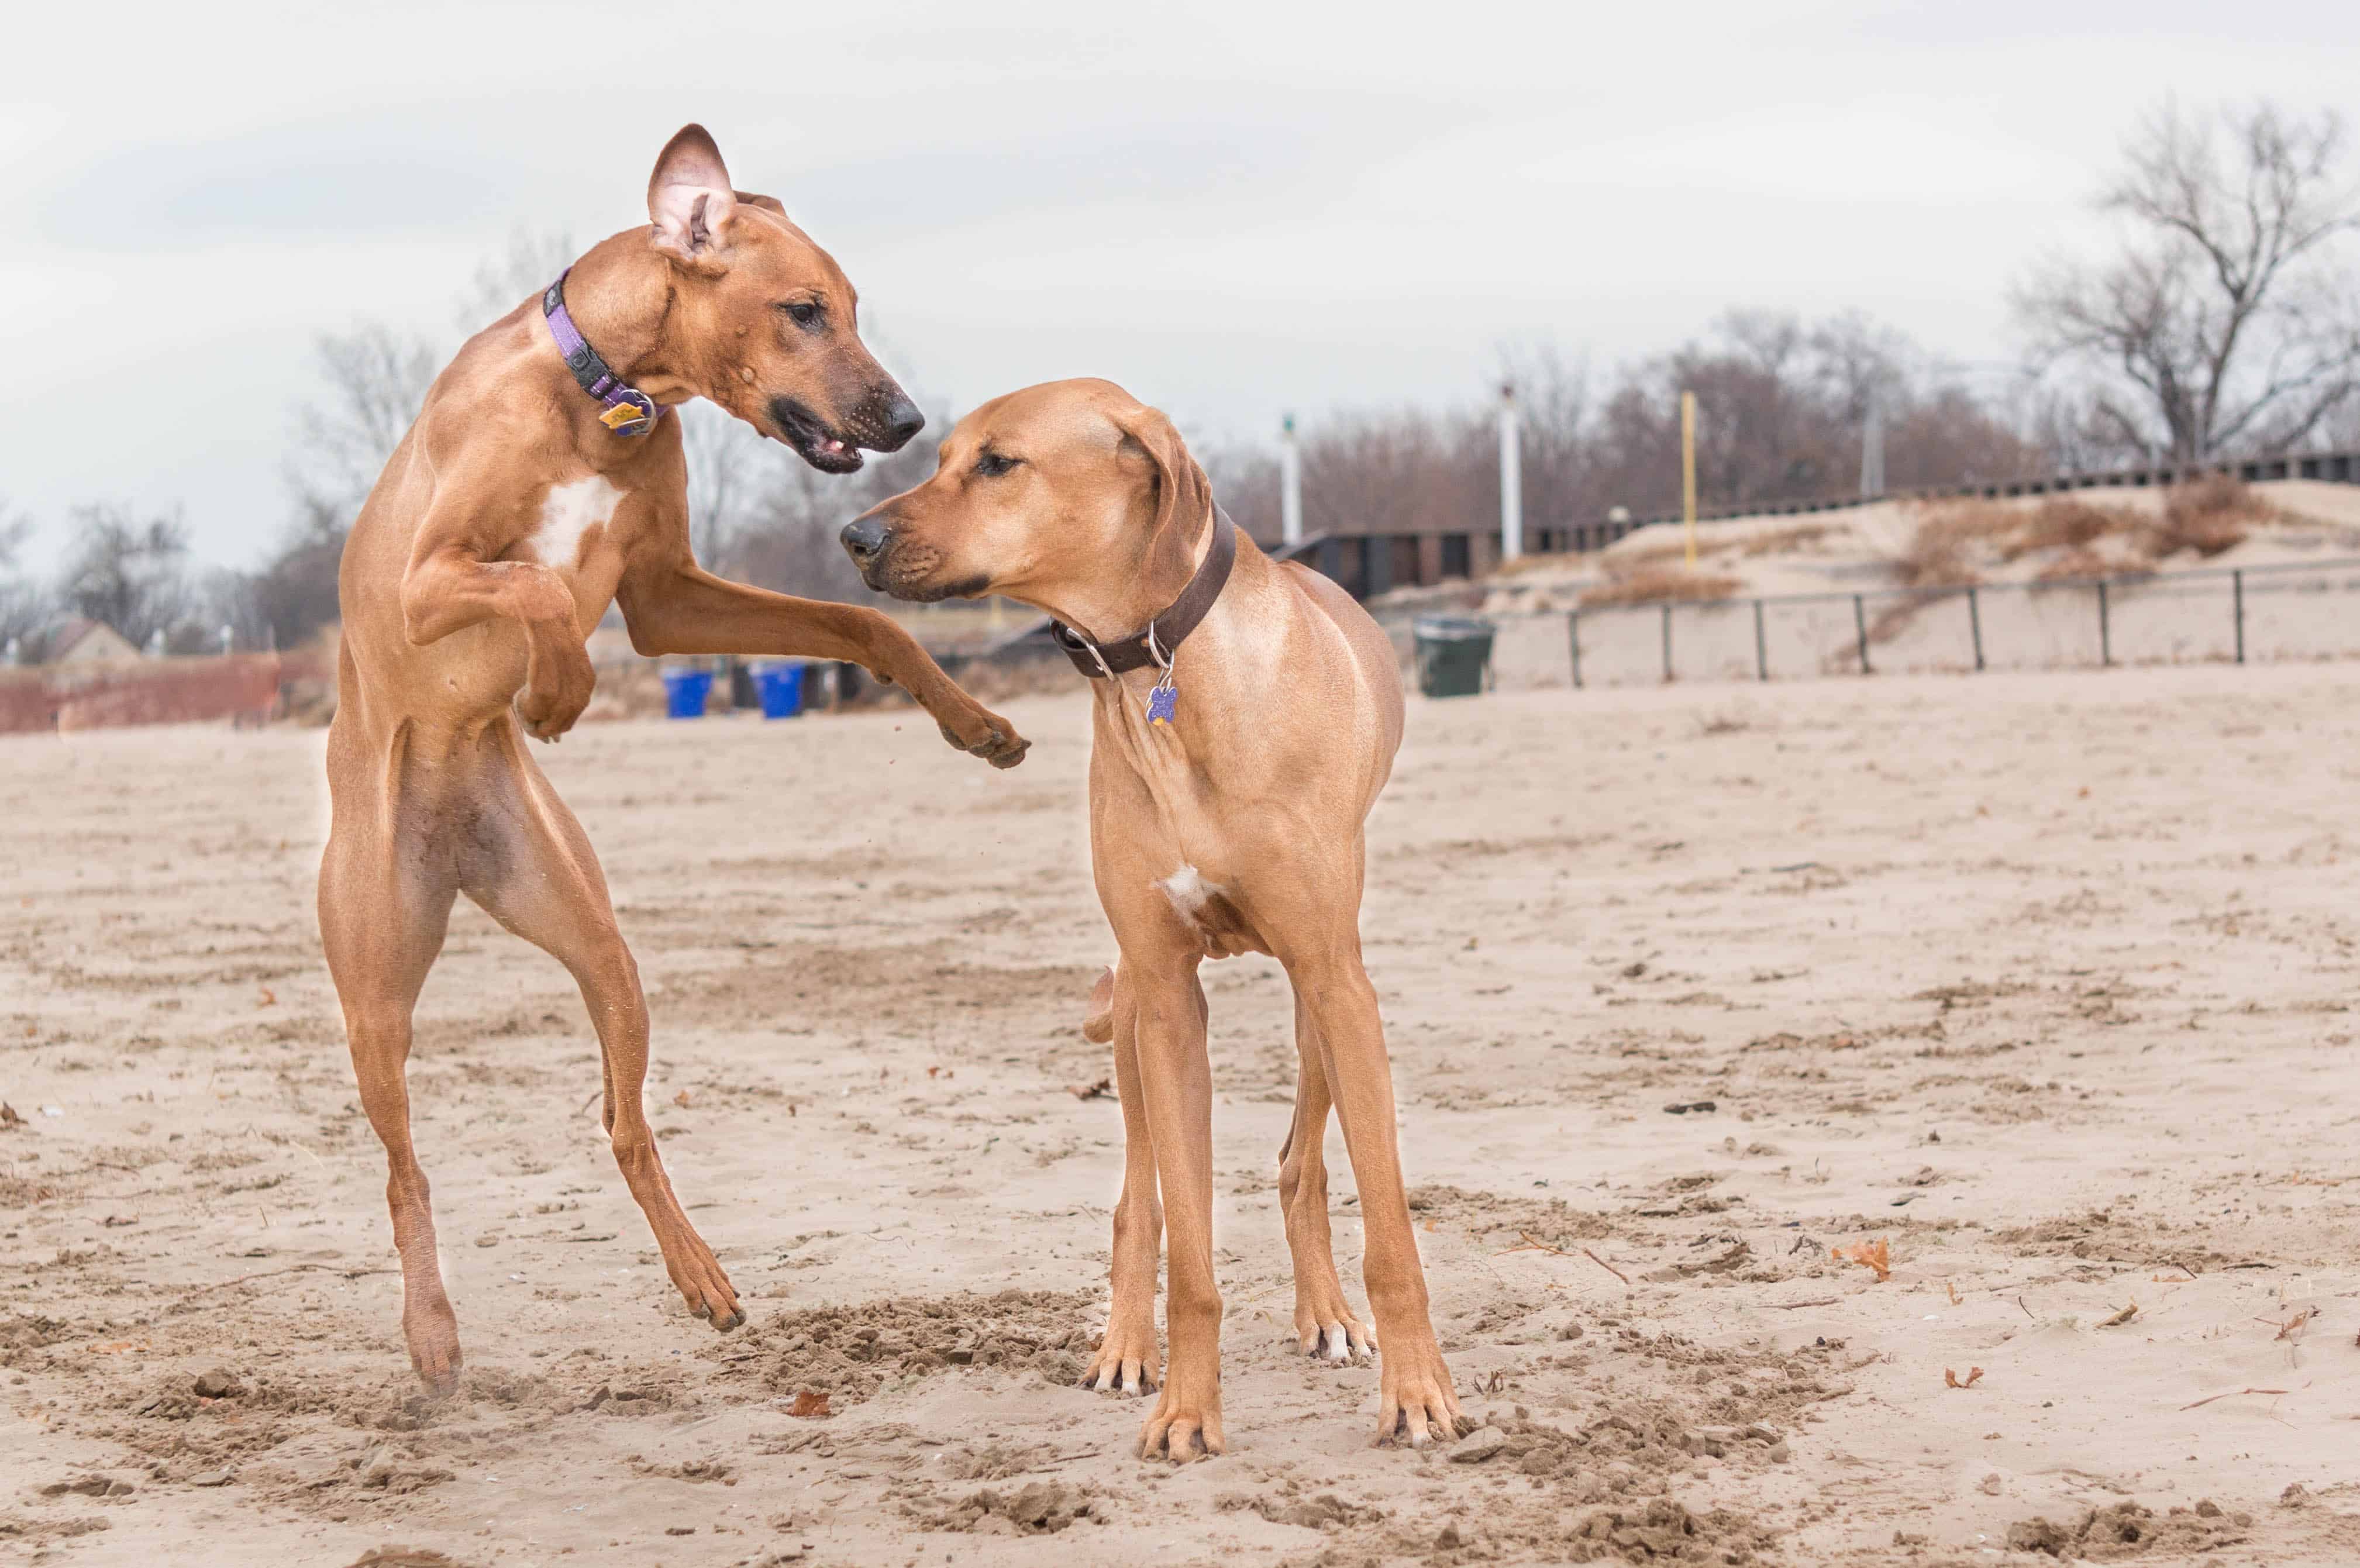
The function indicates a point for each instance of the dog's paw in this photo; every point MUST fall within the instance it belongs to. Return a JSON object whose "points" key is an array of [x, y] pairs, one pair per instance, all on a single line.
{"points": [[1416, 1404], [1343, 1343], [1182, 1429], [1126, 1361], [557, 687], [1000, 745]]}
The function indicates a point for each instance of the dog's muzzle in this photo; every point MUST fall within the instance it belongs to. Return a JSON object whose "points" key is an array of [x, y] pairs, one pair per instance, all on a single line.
{"points": [[864, 540]]}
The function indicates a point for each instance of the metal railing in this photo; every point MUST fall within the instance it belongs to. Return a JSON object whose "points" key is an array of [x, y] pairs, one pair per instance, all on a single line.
{"points": [[1899, 611]]}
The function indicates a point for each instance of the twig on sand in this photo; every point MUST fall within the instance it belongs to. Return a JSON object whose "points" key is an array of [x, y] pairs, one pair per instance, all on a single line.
{"points": [[291, 1268], [1791, 1306], [1608, 1266], [1532, 1243], [2231, 1394]]}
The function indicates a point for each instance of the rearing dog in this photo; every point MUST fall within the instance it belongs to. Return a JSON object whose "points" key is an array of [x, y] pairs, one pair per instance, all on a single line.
{"points": [[542, 481], [1246, 716]]}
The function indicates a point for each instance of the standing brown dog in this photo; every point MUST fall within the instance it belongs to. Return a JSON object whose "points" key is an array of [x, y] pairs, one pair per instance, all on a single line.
{"points": [[541, 481], [1234, 825]]}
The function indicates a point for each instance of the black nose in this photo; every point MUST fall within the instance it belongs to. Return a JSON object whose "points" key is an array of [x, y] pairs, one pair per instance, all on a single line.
{"points": [[864, 540], [901, 420]]}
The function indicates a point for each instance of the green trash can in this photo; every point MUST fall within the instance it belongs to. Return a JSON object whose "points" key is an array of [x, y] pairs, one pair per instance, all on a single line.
{"points": [[1453, 654]]}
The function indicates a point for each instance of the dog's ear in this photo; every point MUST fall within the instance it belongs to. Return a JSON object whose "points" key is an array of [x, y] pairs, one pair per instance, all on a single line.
{"points": [[690, 200], [1183, 493], [768, 203]]}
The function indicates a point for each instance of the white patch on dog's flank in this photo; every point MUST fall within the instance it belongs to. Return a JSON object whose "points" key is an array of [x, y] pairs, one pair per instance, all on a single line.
{"points": [[1188, 890], [569, 512]]}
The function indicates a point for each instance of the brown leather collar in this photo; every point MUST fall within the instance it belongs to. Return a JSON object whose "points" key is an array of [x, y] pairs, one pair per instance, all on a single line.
{"points": [[1153, 649]]}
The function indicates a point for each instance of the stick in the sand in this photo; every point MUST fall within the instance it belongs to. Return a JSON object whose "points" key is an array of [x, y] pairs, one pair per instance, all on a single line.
{"points": [[1608, 1266], [1791, 1306], [2231, 1394], [291, 1268]]}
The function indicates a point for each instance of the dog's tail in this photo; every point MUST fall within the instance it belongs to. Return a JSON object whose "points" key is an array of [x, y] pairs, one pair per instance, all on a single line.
{"points": [[1098, 1026]]}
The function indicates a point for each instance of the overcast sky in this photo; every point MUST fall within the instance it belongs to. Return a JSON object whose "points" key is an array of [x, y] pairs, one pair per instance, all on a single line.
{"points": [[1233, 210]]}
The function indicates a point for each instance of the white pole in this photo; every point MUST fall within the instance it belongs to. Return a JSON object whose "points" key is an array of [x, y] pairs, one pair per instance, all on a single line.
{"points": [[1290, 484], [1512, 476], [1871, 451]]}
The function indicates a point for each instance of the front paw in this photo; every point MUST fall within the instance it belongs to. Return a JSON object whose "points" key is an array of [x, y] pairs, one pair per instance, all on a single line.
{"points": [[988, 735], [1416, 1403], [556, 689]]}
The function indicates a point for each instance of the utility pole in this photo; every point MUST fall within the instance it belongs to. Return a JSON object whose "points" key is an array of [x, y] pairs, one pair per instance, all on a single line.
{"points": [[1871, 451], [1688, 471], [1512, 476], [1290, 484]]}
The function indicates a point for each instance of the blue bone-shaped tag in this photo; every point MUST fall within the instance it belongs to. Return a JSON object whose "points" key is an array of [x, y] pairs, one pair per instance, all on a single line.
{"points": [[1160, 704]]}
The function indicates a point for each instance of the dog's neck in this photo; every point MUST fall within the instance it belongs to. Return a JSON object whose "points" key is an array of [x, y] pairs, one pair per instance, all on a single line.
{"points": [[1119, 603], [620, 295]]}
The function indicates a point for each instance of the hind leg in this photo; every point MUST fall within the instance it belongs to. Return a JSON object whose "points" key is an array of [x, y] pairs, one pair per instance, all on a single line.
{"points": [[383, 909], [1126, 1361], [1323, 1319], [531, 869]]}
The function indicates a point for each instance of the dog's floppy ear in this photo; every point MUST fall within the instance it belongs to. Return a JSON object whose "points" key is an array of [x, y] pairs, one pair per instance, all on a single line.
{"points": [[768, 203], [690, 200], [1183, 493]]}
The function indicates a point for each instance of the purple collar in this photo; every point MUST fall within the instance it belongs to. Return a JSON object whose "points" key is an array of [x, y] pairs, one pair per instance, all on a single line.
{"points": [[629, 412]]}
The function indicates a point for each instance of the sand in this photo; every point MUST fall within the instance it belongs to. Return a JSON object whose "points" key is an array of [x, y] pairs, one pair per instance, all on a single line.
{"points": [[2044, 983]]}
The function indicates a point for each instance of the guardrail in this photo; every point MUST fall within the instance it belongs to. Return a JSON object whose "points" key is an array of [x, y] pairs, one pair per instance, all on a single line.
{"points": [[2220, 634]]}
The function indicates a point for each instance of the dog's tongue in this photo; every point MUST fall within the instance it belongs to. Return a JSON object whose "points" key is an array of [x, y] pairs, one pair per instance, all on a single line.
{"points": [[832, 446]]}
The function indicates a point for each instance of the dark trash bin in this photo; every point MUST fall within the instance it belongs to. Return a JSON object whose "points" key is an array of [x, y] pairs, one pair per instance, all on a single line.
{"points": [[1453, 654]]}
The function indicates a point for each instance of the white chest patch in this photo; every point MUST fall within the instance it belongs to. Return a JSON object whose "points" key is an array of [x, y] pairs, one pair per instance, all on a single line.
{"points": [[569, 512], [1188, 890]]}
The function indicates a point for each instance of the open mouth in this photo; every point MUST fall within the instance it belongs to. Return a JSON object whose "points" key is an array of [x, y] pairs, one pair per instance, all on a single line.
{"points": [[813, 440]]}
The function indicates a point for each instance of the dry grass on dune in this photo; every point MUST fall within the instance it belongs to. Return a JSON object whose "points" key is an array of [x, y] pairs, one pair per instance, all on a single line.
{"points": [[1651, 584], [1955, 540]]}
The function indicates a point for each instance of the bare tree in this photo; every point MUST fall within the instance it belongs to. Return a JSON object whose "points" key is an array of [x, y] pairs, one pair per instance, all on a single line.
{"points": [[25, 606], [375, 379], [2223, 322], [532, 262], [128, 570], [728, 474]]}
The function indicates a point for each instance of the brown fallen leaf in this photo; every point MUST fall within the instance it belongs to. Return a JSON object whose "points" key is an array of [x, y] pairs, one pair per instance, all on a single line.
{"points": [[269, 997], [2292, 1328], [1101, 1090], [1952, 1380], [1875, 1255], [2122, 1317], [681, 1099], [1954, 1291], [932, 1071], [810, 1402], [9, 1117]]}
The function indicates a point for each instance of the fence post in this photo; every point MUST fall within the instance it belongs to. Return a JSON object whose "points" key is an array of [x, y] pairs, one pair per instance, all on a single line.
{"points": [[1975, 621], [1761, 648], [1573, 633], [1668, 639], [2105, 629], [2237, 588], [1859, 630]]}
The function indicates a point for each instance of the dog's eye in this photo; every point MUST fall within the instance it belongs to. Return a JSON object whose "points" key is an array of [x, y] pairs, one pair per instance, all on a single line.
{"points": [[804, 312], [993, 464]]}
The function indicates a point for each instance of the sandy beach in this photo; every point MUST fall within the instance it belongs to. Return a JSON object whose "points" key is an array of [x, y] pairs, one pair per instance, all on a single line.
{"points": [[2035, 990]]}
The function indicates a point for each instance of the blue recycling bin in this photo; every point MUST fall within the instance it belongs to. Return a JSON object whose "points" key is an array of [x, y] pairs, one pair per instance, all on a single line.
{"points": [[781, 689], [685, 692]]}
